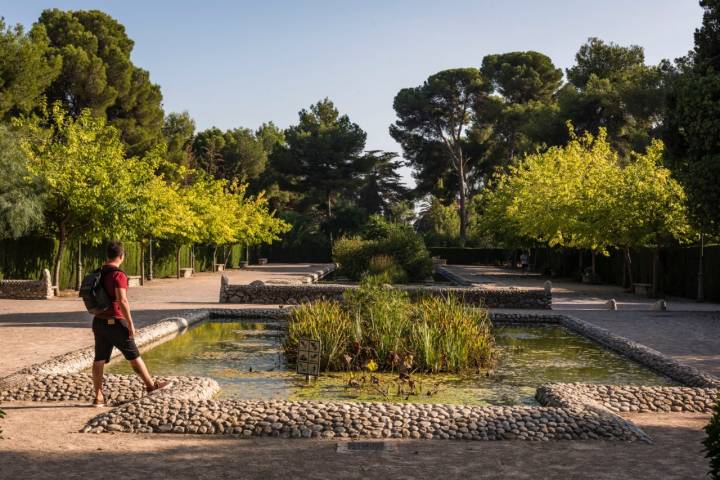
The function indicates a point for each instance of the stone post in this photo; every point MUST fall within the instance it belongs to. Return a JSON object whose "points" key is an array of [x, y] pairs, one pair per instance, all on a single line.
{"points": [[47, 284]]}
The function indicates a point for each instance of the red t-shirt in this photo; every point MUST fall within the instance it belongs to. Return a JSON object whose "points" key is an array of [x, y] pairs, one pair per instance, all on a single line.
{"points": [[111, 281]]}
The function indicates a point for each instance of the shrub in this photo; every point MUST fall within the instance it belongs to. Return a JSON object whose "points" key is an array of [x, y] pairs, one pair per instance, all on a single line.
{"points": [[712, 443], [386, 268], [403, 245], [410, 252], [383, 325], [353, 254]]}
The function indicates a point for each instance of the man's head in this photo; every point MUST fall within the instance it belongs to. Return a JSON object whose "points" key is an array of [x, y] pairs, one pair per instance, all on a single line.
{"points": [[115, 252]]}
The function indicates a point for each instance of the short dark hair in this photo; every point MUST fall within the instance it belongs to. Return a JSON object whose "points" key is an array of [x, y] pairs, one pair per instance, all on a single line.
{"points": [[115, 249]]}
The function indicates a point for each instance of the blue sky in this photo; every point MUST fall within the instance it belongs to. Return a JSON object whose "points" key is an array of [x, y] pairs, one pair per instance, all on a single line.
{"points": [[241, 63]]}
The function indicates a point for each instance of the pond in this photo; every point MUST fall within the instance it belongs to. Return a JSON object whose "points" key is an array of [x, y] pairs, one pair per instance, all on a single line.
{"points": [[245, 357]]}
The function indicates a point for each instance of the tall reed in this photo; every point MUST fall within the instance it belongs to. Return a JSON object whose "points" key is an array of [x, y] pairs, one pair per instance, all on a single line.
{"points": [[384, 325]]}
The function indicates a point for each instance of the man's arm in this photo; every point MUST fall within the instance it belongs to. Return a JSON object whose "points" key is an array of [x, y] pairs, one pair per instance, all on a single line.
{"points": [[121, 295]]}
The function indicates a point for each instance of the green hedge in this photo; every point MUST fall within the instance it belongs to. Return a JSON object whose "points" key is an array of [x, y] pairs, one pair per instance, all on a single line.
{"points": [[28, 256]]}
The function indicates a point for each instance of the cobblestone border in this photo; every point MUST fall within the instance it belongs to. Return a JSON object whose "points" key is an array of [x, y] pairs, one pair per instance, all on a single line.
{"points": [[309, 419], [629, 398], [118, 389]]}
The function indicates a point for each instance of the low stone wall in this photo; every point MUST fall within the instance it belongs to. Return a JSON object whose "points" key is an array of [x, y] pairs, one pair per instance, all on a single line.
{"points": [[630, 398], [363, 420], [261, 293], [118, 389], [28, 289]]}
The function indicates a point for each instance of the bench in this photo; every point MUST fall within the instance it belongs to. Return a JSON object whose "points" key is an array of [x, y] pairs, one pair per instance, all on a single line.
{"points": [[186, 272], [643, 289], [219, 267], [133, 280], [262, 261]]}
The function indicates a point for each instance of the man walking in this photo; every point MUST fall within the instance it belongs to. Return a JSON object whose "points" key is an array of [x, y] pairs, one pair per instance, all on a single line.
{"points": [[114, 326]]}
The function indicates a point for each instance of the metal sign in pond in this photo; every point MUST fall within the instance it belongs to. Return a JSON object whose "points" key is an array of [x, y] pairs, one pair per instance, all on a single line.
{"points": [[308, 358]]}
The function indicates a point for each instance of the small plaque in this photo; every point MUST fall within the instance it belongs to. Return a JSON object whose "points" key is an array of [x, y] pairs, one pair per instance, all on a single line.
{"points": [[308, 357]]}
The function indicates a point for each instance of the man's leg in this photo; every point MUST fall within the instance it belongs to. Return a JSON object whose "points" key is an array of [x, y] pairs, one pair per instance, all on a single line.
{"points": [[139, 366], [97, 375]]}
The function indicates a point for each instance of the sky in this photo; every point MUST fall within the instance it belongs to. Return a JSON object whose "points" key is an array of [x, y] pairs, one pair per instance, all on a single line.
{"points": [[241, 63]]}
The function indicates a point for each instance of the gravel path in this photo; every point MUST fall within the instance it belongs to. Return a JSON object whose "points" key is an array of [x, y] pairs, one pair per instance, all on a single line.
{"points": [[41, 443]]}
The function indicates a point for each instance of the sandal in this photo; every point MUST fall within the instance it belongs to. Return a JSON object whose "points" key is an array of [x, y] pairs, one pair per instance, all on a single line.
{"points": [[157, 386]]}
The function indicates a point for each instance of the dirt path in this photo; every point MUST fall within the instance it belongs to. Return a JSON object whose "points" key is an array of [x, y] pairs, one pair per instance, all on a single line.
{"points": [[41, 442]]}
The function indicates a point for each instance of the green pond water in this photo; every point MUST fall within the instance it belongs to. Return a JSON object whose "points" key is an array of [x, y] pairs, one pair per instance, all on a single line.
{"points": [[245, 358]]}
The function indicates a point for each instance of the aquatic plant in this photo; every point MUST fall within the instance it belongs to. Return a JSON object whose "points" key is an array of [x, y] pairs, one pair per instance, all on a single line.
{"points": [[326, 321], [380, 324]]}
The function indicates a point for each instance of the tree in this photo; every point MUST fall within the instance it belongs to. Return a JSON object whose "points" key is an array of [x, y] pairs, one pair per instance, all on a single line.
{"points": [[178, 130], [584, 196], [26, 70], [436, 116], [80, 166], [244, 155], [611, 87], [322, 153], [438, 223], [522, 77], [693, 122], [207, 147], [158, 210], [97, 74], [521, 116], [382, 185], [21, 202]]}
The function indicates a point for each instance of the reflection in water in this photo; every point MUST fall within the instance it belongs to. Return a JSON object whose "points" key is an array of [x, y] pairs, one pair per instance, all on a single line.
{"points": [[246, 359]]}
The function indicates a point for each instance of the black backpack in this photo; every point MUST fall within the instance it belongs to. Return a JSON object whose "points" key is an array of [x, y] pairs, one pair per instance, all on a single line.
{"points": [[93, 291]]}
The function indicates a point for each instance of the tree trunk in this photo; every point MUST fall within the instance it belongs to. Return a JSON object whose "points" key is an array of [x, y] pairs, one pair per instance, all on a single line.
{"points": [[227, 253], [656, 272], [247, 254], [628, 273], [192, 256], [701, 281], [214, 268], [142, 263], [79, 278], [463, 216], [177, 261], [150, 261], [593, 266], [58, 256]]}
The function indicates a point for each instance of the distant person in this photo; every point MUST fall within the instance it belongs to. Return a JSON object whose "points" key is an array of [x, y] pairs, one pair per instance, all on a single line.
{"points": [[114, 326], [524, 261]]}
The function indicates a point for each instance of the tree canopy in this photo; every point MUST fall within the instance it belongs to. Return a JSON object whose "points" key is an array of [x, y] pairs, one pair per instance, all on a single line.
{"points": [[98, 74]]}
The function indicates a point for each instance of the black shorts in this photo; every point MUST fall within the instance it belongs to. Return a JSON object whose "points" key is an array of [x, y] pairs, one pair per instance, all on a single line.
{"points": [[109, 336]]}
